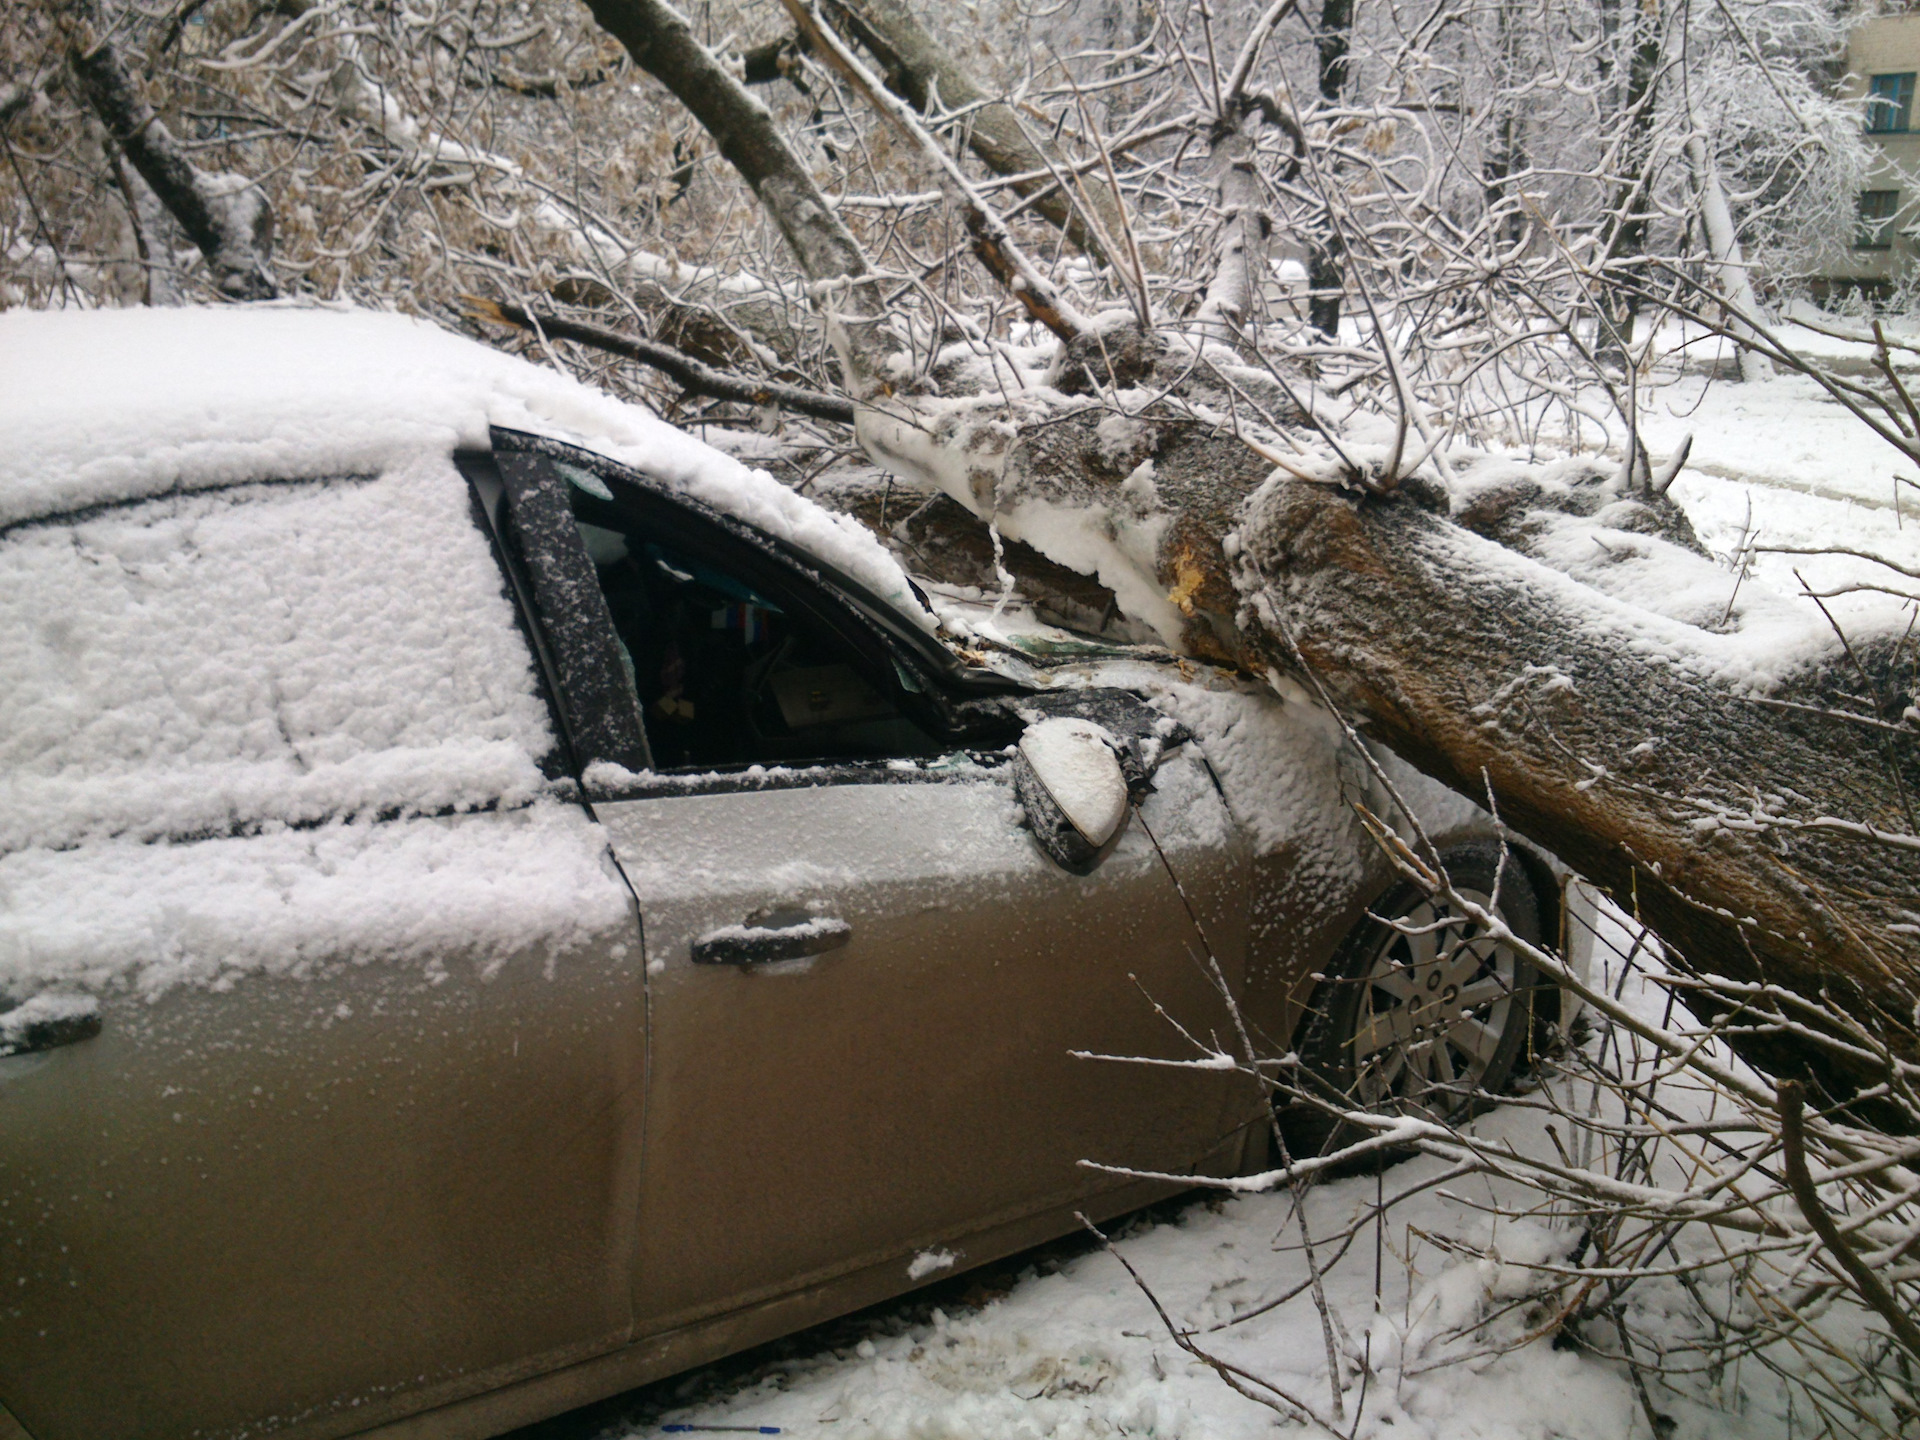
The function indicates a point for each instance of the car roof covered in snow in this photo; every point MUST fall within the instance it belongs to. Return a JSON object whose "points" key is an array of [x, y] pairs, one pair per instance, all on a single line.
{"points": [[102, 406]]}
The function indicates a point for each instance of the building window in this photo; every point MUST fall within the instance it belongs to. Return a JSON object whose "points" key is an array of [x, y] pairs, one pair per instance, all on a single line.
{"points": [[1876, 214], [1890, 103]]}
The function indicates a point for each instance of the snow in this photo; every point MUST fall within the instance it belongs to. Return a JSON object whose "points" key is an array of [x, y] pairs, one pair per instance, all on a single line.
{"points": [[261, 653], [930, 1262], [1075, 761], [109, 405], [430, 892], [1657, 602], [959, 447], [1779, 464], [818, 927], [189, 676], [1080, 1353], [48, 1008], [1275, 763]]}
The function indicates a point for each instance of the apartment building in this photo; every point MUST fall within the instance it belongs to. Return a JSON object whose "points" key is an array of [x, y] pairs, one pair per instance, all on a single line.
{"points": [[1883, 59]]}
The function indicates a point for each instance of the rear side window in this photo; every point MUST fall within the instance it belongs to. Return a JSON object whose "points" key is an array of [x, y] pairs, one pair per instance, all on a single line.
{"points": [[285, 652]]}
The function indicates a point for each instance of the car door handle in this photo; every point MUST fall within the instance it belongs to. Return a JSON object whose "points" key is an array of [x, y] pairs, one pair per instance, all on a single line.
{"points": [[43, 1024], [769, 944]]}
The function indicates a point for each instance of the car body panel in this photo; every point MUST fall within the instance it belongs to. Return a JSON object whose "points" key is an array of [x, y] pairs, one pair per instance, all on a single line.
{"points": [[321, 1200], [672, 1351], [814, 1116]]}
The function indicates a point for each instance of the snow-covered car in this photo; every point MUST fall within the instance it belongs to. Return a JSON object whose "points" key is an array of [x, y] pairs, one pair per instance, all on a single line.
{"points": [[500, 901]]}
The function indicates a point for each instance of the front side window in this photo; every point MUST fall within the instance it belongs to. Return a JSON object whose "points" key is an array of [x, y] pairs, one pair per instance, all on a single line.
{"points": [[732, 662], [1877, 209], [1890, 103]]}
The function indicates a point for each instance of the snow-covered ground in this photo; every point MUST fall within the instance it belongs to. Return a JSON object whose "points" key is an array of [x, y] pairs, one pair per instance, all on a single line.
{"points": [[1783, 465]]}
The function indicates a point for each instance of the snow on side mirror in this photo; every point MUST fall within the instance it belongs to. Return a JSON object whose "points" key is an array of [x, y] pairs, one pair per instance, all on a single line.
{"points": [[1068, 777]]}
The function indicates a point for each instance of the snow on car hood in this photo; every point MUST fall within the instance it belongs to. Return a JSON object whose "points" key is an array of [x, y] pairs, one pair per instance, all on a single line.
{"points": [[109, 405]]}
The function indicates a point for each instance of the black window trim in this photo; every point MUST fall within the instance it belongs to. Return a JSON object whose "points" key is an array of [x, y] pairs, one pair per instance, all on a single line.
{"points": [[977, 765], [947, 670], [579, 656], [487, 491], [523, 514]]}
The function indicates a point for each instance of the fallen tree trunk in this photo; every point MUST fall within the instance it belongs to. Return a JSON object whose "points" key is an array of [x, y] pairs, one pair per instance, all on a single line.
{"points": [[1737, 776], [1743, 788], [1752, 814]]}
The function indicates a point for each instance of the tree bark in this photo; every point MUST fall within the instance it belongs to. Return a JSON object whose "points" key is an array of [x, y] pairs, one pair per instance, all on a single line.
{"points": [[1240, 264], [226, 216], [918, 68], [662, 43], [1642, 751]]}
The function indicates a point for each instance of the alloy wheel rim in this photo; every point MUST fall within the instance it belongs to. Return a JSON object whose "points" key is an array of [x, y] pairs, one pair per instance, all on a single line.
{"points": [[1434, 1007]]}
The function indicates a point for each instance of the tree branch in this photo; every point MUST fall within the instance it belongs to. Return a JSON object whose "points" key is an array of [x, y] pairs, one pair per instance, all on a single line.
{"points": [[917, 68], [993, 243], [1867, 1285], [696, 377], [226, 216], [661, 42]]}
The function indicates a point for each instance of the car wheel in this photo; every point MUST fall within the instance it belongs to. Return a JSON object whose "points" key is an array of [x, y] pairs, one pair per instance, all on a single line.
{"points": [[1421, 1012]]}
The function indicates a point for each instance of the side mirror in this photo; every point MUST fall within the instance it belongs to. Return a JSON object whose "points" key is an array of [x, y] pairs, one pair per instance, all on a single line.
{"points": [[1068, 777]]}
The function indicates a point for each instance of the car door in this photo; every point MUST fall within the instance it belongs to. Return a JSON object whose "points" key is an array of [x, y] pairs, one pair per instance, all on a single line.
{"points": [[888, 1098], [336, 1112], [866, 983]]}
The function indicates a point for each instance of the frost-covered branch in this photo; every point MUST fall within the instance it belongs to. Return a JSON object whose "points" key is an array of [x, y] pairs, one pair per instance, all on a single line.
{"points": [[699, 379], [227, 216]]}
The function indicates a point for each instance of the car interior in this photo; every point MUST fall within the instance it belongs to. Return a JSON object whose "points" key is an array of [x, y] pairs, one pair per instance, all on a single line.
{"points": [[729, 667]]}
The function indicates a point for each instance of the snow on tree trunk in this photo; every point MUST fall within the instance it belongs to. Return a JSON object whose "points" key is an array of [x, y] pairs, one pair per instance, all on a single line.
{"points": [[226, 216], [1241, 263], [1729, 264], [1706, 779]]}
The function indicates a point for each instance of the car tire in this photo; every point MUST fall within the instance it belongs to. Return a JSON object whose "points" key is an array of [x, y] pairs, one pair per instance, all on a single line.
{"points": [[1419, 1012]]}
